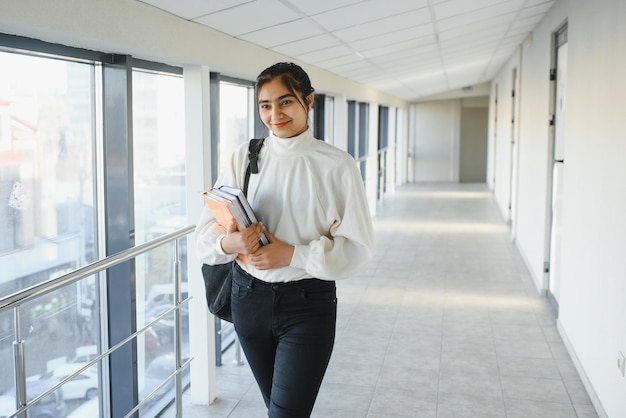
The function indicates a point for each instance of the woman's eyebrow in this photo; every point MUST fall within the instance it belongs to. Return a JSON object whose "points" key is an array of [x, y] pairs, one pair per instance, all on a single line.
{"points": [[277, 99]]}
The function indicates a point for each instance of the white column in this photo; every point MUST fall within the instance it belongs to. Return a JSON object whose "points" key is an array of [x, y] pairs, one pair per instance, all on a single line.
{"points": [[371, 168], [390, 184], [340, 139], [198, 143], [402, 152]]}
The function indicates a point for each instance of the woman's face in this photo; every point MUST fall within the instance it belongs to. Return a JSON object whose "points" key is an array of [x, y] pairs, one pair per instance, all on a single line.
{"points": [[282, 112]]}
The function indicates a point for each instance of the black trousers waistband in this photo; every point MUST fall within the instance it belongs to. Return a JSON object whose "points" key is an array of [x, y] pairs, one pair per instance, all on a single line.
{"points": [[295, 285]]}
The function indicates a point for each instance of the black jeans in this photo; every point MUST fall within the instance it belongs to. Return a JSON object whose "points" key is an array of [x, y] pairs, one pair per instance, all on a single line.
{"points": [[287, 332]]}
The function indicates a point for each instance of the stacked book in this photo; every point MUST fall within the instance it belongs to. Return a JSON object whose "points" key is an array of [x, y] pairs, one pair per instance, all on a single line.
{"points": [[228, 203]]}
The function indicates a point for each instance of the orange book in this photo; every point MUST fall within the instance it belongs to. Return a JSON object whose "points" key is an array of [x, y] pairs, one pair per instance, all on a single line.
{"points": [[238, 199], [224, 212], [222, 209]]}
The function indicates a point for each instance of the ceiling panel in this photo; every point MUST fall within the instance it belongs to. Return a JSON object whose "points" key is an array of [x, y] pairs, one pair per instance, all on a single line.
{"points": [[304, 46], [344, 61], [249, 17], [277, 35], [528, 21], [326, 54], [191, 9], [384, 26], [410, 49], [536, 10], [425, 33], [475, 19], [472, 33], [319, 6], [364, 12], [472, 9], [365, 72], [348, 64], [407, 48]]}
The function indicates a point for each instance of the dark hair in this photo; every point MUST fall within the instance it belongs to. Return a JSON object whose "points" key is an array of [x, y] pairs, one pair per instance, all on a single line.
{"points": [[292, 76]]}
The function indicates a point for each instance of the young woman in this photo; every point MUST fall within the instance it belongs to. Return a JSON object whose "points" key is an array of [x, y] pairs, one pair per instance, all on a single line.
{"points": [[311, 203]]}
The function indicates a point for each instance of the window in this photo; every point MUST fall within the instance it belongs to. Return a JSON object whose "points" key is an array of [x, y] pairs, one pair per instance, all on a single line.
{"points": [[383, 144], [60, 117], [237, 121], [358, 133], [321, 117], [159, 196], [46, 169], [352, 128], [48, 211], [236, 124], [329, 119], [363, 129]]}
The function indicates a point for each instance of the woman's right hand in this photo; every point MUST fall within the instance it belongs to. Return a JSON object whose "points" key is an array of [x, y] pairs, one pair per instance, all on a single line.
{"points": [[242, 242]]}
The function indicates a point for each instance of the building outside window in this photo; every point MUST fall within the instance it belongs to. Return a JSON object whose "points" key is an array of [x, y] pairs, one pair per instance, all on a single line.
{"points": [[47, 212]]}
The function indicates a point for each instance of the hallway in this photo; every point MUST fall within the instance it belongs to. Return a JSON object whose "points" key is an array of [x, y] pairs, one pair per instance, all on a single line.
{"points": [[444, 323]]}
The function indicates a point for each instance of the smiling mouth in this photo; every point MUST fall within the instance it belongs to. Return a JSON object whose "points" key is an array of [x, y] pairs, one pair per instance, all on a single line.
{"points": [[280, 125]]}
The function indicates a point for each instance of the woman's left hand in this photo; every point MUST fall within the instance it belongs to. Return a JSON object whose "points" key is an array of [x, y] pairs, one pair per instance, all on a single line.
{"points": [[275, 254]]}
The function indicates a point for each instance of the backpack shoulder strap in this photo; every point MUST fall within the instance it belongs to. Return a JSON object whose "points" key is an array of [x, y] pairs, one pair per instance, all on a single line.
{"points": [[253, 160]]}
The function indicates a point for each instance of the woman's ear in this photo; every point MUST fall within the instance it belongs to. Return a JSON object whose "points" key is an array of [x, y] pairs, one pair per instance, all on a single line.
{"points": [[310, 99]]}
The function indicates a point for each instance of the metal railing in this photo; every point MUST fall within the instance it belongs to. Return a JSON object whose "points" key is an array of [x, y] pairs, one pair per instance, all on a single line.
{"points": [[17, 299]]}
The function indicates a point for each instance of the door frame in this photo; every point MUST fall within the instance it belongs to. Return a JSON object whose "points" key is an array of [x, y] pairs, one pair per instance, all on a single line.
{"points": [[552, 238]]}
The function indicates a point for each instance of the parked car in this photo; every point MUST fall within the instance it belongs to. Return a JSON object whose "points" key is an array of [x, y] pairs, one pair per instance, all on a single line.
{"points": [[156, 372], [52, 406], [83, 386], [151, 342], [82, 355], [89, 409], [165, 327], [7, 405], [163, 294]]}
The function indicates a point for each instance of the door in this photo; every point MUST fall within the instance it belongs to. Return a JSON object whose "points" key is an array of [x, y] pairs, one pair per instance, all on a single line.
{"points": [[513, 150], [474, 137], [558, 164]]}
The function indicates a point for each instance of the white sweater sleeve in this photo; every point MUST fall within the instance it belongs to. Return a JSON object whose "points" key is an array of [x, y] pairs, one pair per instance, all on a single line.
{"points": [[209, 240], [350, 243]]}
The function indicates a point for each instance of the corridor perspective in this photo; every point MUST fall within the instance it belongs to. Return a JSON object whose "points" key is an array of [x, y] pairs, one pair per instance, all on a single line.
{"points": [[445, 322]]}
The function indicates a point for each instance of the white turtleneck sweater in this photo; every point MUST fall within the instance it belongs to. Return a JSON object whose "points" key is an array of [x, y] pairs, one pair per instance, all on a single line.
{"points": [[309, 194]]}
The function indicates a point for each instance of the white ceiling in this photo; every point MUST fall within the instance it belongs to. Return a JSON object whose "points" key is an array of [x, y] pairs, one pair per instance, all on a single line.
{"points": [[407, 48]]}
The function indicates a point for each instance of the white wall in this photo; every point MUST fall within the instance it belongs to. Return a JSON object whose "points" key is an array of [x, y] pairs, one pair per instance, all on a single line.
{"points": [[593, 283], [533, 143], [592, 306], [500, 132]]}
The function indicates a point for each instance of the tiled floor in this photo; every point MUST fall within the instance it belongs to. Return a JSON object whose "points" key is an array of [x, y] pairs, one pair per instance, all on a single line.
{"points": [[444, 323]]}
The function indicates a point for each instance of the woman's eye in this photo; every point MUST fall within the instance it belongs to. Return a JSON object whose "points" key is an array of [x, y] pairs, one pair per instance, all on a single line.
{"points": [[285, 102]]}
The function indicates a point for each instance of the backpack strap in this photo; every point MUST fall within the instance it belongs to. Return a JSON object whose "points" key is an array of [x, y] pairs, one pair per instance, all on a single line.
{"points": [[253, 157]]}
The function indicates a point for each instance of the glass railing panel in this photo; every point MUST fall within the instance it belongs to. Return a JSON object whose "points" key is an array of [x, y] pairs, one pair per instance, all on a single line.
{"points": [[59, 336], [61, 333]]}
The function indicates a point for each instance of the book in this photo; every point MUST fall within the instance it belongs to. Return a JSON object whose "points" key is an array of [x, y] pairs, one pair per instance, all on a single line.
{"points": [[223, 210], [245, 206], [228, 203]]}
